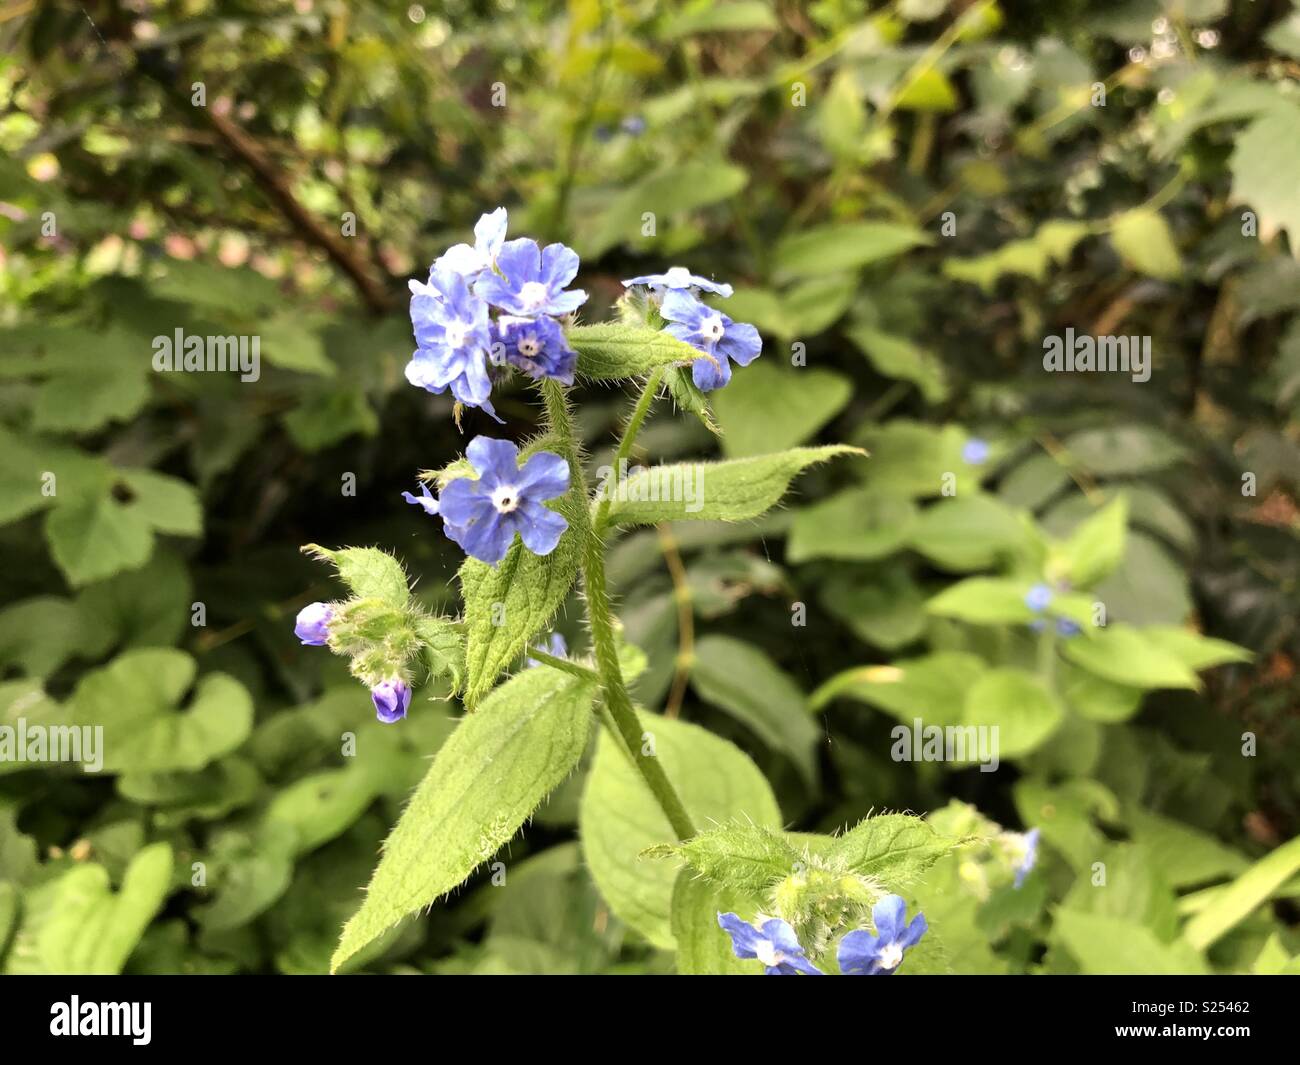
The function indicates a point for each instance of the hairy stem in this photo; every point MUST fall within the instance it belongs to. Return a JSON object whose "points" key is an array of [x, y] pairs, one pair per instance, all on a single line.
{"points": [[621, 716], [634, 422]]}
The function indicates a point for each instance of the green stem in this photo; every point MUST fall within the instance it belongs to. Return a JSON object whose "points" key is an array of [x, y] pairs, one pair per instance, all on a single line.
{"points": [[626, 443], [622, 718]]}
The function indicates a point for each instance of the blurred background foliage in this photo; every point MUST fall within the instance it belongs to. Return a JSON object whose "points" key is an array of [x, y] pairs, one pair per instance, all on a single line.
{"points": [[908, 196]]}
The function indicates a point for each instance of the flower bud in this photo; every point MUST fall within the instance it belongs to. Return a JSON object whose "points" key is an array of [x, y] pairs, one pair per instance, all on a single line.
{"points": [[391, 698], [312, 626]]}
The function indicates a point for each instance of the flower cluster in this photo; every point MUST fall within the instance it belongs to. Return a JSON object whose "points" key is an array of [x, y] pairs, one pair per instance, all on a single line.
{"points": [[482, 515], [458, 343], [861, 953], [391, 697], [700, 326]]}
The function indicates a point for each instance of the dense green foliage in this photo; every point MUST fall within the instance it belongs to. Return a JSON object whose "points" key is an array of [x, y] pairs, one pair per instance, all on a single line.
{"points": [[910, 198]]}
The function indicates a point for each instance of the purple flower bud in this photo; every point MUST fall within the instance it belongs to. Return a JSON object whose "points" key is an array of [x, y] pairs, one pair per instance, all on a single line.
{"points": [[312, 626], [391, 698]]}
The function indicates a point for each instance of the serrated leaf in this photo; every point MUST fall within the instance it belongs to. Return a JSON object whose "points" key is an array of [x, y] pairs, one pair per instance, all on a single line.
{"points": [[368, 572], [508, 604], [485, 781], [734, 490], [893, 848], [619, 818], [612, 351], [749, 858]]}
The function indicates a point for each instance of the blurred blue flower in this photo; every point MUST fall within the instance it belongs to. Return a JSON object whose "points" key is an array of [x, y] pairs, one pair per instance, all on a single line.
{"points": [[773, 943], [1039, 597], [864, 954], [633, 125], [554, 645], [531, 280], [391, 698], [537, 346], [1029, 855], [312, 624], [454, 337], [1067, 628], [424, 500], [681, 279], [713, 333], [471, 260], [483, 515], [975, 452]]}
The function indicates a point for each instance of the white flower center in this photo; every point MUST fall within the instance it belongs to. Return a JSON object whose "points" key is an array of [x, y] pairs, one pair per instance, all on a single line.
{"points": [[711, 328], [767, 953], [533, 294], [678, 277], [505, 498], [891, 956], [455, 334], [529, 347]]}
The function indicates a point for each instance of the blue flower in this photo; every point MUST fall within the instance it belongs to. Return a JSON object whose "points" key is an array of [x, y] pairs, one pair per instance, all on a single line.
{"points": [[391, 698], [483, 515], [773, 943], [1039, 597], [536, 346], [471, 260], [1067, 628], [713, 333], [312, 624], [975, 452], [453, 337], [1028, 845], [862, 954], [554, 645], [425, 500], [531, 280], [680, 279]]}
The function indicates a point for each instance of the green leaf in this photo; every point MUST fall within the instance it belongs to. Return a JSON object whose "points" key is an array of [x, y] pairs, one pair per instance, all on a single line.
{"points": [[1264, 161], [931, 687], [1195, 651], [984, 601], [856, 525], [1249, 891], [485, 781], [1123, 451], [749, 858], [893, 848], [1096, 547], [612, 351], [1031, 257], [1143, 239], [1018, 705], [929, 91], [768, 408], [969, 532], [368, 572], [742, 680], [1098, 699], [744, 16], [135, 700], [711, 491], [882, 607], [908, 458], [95, 537], [290, 344], [77, 925], [619, 818], [169, 504], [832, 248], [1108, 946], [1122, 654], [508, 604], [899, 358], [703, 948]]}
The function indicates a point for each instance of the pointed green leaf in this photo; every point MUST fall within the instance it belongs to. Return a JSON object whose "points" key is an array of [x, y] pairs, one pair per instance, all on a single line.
{"points": [[612, 351]]}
